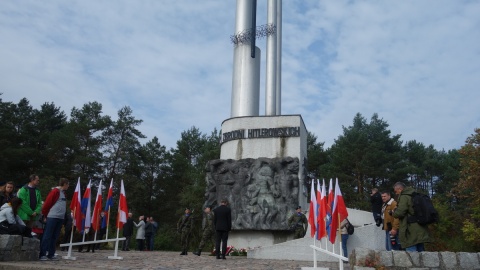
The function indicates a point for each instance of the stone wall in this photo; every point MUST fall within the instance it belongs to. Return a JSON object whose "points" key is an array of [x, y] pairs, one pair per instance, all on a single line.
{"points": [[362, 258], [12, 248]]}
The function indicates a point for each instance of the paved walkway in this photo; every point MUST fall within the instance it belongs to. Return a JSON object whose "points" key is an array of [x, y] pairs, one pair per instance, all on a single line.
{"points": [[161, 260]]}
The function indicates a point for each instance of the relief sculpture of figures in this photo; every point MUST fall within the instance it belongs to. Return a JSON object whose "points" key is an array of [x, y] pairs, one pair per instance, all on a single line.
{"points": [[262, 191]]}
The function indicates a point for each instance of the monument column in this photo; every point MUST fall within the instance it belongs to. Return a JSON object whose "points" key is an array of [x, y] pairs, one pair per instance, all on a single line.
{"points": [[246, 70]]}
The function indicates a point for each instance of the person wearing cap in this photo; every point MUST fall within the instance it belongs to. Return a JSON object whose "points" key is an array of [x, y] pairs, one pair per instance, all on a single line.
{"points": [[184, 228], [298, 223], [207, 226]]}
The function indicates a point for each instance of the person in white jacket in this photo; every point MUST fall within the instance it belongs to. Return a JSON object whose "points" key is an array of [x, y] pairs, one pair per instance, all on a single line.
{"points": [[10, 222], [140, 233]]}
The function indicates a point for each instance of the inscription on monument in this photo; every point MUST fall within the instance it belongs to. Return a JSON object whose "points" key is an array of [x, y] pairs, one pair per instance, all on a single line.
{"points": [[261, 133]]}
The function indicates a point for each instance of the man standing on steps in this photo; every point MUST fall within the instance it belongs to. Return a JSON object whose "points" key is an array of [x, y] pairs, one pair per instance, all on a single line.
{"points": [[222, 220], [207, 226], [412, 235], [376, 201]]}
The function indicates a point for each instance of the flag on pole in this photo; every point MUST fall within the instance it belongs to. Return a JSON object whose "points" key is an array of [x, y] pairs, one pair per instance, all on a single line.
{"points": [[76, 207], [86, 210], [339, 212], [122, 208], [108, 205], [311, 211], [322, 230], [329, 201], [317, 207], [97, 208]]}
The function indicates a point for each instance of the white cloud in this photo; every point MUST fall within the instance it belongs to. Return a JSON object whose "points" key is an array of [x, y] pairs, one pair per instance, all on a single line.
{"points": [[416, 64]]}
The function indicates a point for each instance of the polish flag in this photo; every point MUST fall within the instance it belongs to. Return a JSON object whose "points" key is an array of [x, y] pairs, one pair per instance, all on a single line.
{"points": [[76, 207], [322, 230], [122, 208], [86, 210], [339, 212], [108, 205], [97, 208], [311, 211]]}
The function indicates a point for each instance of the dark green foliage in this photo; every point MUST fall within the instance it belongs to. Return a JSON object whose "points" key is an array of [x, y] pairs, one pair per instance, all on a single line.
{"points": [[161, 182], [365, 156]]}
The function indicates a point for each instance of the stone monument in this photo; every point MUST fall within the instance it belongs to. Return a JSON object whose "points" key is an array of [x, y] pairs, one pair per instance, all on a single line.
{"points": [[261, 169]]}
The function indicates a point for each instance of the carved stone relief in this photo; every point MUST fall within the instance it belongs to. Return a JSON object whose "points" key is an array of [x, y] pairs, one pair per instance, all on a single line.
{"points": [[262, 192]]}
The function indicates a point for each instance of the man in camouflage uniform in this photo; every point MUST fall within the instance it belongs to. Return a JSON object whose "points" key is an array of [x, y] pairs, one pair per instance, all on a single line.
{"points": [[208, 232], [184, 228], [298, 223]]}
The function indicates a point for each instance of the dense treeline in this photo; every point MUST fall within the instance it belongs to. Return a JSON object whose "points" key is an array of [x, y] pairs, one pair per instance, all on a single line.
{"points": [[160, 182]]}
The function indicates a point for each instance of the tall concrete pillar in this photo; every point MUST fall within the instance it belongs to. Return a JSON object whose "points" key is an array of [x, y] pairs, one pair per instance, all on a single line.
{"points": [[271, 73], [246, 70], [278, 85]]}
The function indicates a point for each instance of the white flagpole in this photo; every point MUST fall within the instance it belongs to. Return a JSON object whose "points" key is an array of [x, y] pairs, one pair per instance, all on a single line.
{"points": [[69, 254], [115, 254]]}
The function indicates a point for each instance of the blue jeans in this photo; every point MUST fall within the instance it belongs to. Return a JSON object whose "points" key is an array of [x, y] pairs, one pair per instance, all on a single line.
{"points": [[50, 236], [344, 244], [418, 247], [388, 242], [151, 242]]}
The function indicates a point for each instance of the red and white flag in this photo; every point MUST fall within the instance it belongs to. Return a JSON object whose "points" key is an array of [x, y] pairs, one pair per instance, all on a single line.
{"points": [[311, 211], [322, 229], [76, 207], [339, 212], [122, 208], [97, 209], [330, 198]]}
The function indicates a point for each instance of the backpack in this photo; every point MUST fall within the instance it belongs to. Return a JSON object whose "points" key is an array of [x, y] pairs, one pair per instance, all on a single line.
{"points": [[350, 228], [424, 211]]}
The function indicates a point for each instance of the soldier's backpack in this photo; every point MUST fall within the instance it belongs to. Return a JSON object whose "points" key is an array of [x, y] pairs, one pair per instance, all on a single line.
{"points": [[424, 211], [350, 228]]}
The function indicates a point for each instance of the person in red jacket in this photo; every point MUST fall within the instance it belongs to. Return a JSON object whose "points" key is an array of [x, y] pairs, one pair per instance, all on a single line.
{"points": [[53, 209]]}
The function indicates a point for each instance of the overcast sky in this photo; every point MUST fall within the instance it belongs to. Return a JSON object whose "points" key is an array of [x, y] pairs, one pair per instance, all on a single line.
{"points": [[415, 63]]}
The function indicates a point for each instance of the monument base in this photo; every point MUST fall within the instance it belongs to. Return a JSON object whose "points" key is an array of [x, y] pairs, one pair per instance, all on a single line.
{"points": [[254, 239]]}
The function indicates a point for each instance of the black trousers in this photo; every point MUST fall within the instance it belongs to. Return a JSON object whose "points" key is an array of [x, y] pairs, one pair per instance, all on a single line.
{"points": [[221, 236]]}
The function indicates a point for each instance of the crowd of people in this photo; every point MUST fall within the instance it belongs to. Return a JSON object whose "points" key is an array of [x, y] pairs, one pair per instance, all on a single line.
{"points": [[24, 213]]}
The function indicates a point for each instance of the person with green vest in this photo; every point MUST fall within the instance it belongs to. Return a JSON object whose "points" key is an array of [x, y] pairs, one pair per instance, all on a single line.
{"points": [[31, 207]]}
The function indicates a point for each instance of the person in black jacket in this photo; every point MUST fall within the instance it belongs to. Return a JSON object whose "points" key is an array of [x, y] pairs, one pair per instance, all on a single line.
{"points": [[222, 220], [127, 232], [376, 200]]}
